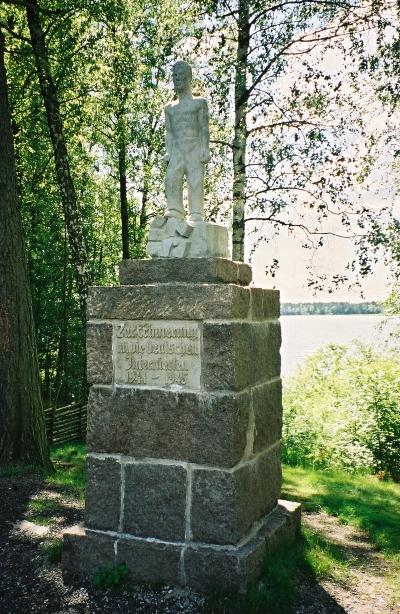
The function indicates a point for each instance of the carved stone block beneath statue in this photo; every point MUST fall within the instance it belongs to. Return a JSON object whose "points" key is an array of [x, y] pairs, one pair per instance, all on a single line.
{"points": [[184, 426], [170, 237]]}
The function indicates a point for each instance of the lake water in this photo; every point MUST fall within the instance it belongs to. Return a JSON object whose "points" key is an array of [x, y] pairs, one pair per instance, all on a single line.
{"points": [[303, 335]]}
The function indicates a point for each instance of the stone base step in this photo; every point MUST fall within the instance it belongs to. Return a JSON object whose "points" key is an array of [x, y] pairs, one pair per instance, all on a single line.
{"points": [[200, 566]]}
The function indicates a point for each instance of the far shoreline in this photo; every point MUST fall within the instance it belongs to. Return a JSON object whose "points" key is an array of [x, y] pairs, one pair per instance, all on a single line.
{"points": [[332, 308]]}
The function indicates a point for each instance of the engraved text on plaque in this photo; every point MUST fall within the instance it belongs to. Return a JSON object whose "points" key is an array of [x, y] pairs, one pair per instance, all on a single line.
{"points": [[157, 353]]}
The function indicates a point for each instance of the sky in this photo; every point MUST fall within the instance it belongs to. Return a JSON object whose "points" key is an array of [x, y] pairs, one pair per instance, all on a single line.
{"points": [[330, 259], [291, 277]]}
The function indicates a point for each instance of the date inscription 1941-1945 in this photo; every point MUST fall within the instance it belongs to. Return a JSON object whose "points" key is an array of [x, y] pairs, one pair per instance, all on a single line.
{"points": [[157, 353]]}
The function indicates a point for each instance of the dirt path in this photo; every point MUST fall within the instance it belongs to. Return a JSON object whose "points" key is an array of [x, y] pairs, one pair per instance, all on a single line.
{"points": [[365, 591], [29, 583]]}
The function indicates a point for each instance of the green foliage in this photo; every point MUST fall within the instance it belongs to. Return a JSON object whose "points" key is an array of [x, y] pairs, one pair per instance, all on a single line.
{"points": [[392, 303], [39, 519], [69, 461], [342, 411], [110, 67], [53, 550], [306, 143], [69, 453], [110, 62], [110, 577], [41, 510]]}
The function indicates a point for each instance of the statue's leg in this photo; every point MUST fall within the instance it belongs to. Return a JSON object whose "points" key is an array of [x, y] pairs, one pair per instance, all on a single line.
{"points": [[195, 182], [174, 188]]}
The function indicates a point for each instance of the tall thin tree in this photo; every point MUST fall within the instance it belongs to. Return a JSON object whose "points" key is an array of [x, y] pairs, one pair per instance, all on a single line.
{"points": [[56, 129]]}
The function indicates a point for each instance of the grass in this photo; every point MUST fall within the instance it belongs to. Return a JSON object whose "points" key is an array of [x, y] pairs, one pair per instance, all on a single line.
{"points": [[110, 577], [39, 519], [362, 501], [8, 471], [311, 558], [53, 550], [40, 510], [69, 475], [69, 478], [69, 462], [42, 505], [359, 500]]}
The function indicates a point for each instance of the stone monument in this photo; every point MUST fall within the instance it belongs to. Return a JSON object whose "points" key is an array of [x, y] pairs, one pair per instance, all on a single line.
{"points": [[185, 410], [188, 151]]}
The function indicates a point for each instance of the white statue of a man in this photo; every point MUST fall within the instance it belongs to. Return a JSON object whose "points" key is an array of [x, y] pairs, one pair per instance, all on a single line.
{"points": [[188, 146]]}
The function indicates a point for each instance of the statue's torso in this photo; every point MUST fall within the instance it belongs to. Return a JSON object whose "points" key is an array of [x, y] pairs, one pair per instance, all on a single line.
{"points": [[185, 119]]}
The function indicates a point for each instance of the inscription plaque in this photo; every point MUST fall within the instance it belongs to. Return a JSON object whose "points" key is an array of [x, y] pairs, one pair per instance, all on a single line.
{"points": [[157, 353]]}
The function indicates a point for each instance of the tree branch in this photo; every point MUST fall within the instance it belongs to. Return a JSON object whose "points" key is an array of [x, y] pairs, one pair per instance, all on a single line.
{"points": [[293, 225]]}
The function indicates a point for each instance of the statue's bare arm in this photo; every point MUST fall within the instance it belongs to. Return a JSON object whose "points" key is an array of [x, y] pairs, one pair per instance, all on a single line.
{"points": [[168, 135], [204, 131]]}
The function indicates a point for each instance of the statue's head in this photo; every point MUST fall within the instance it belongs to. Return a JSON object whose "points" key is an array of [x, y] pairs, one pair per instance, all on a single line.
{"points": [[181, 76]]}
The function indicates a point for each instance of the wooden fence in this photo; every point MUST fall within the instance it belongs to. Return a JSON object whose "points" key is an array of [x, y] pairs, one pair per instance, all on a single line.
{"points": [[67, 423]]}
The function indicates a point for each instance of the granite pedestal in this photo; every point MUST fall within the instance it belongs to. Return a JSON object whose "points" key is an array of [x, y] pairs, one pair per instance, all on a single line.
{"points": [[184, 427]]}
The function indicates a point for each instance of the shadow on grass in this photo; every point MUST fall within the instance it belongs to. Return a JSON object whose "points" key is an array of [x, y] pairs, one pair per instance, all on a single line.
{"points": [[69, 475], [286, 572], [27, 489], [29, 493], [360, 500]]}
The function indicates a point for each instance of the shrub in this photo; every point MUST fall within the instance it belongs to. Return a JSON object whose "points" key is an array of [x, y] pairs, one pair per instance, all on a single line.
{"points": [[53, 550], [342, 410], [110, 577]]}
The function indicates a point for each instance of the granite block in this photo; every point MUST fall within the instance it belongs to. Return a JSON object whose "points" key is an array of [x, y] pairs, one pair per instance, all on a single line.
{"points": [[224, 570], [150, 563], [155, 501], [192, 270], [185, 426], [99, 353], [267, 407], [83, 553], [226, 504], [169, 302], [240, 354], [103, 494]]}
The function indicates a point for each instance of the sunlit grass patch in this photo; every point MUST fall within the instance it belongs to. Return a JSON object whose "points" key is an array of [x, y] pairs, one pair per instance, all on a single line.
{"points": [[70, 471], [69, 452], [327, 560], [359, 500], [42, 505], [364, 501], [40, 520]]}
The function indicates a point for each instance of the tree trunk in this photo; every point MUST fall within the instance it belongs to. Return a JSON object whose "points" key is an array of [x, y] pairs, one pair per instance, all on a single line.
{"points": [[123, 200], [146, 182], [22, 425], [240, 136], [60, 393], [66, 186], [145, 198]]}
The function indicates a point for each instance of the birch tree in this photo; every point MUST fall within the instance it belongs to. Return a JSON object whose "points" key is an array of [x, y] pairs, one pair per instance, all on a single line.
{"points": [[289, 156]]}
